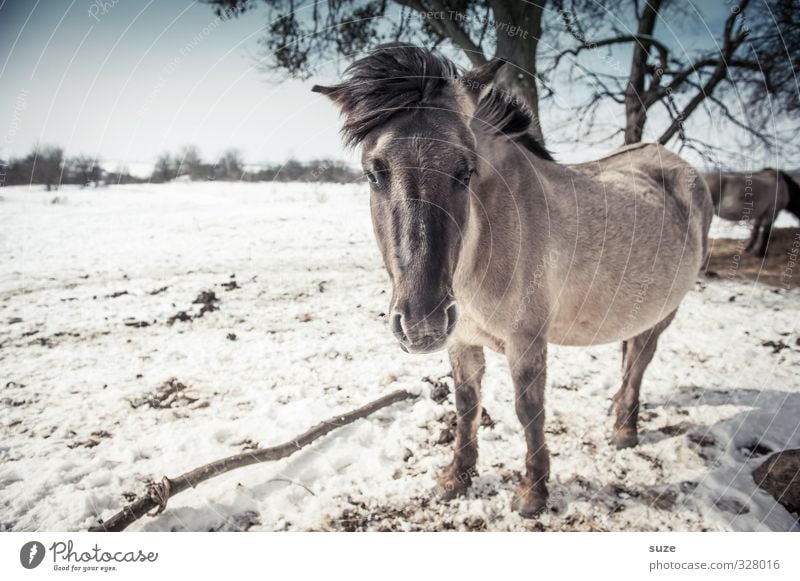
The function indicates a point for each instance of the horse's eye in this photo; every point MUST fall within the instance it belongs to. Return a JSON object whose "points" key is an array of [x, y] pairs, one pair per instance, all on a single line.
{"points": [[466, 177], [371, 177]]}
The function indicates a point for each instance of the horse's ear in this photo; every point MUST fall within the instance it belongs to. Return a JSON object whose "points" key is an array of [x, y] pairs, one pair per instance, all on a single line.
{"points": [[335, 93], [477, 80]]}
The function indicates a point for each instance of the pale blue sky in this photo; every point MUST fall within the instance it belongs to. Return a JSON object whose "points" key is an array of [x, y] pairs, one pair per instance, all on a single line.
{"points": [[146, 77], [137, 77]]}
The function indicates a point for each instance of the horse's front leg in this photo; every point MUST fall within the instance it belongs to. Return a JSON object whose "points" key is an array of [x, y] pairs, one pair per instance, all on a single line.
{"points": [[468, 366], [528, 361]]}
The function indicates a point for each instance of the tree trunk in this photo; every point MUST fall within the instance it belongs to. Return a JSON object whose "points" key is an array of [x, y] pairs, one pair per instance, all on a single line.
{"points": [[635, 107], [635, 118], [519, 26]]}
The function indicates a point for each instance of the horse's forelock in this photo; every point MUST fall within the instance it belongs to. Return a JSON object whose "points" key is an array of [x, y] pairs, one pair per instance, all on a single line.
{"points": [[397, 77], [392, 78]]}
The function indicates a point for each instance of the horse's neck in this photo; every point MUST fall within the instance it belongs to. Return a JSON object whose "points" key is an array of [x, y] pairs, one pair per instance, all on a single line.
{"points": [[507, 202], [515, 180]]}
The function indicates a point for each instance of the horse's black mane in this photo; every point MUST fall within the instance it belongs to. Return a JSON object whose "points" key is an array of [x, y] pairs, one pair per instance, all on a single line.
{"points": [[794, 193], [506, 115], [397, 77]]}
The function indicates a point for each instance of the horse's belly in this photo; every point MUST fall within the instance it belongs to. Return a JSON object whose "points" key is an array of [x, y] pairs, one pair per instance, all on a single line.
{"points": [[608, 313], [733, 209], [576, 329]]}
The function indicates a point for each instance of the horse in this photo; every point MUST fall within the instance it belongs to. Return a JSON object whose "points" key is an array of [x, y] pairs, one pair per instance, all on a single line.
{"points": [[488, 242], [754, 198]]}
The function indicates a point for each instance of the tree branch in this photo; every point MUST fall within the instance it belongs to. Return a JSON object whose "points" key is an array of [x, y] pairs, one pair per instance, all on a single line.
{"points": [[448, 28], [157, 494], [762, 137], [644, 40], [730, 44]]}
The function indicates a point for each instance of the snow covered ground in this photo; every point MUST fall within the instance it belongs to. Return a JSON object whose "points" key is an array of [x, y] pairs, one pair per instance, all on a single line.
{"points": [[90, 283]]}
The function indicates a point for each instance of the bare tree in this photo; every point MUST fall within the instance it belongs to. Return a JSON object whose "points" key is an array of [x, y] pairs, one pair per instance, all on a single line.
{"points": [[189, 163], [754, 62], [47, 166], [230, 166], [96, 173], [85, 169], [300, 37], [164, 169]]}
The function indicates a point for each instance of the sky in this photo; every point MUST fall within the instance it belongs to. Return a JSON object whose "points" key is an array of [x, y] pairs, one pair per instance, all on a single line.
{"points": [[130, 79], [126, 80]]}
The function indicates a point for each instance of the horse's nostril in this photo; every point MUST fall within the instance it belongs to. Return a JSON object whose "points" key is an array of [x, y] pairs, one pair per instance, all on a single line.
{"points": [[452, 318], [396, 324]]}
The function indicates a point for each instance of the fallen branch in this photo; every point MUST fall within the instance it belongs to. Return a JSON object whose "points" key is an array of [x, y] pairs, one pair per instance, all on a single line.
{"points": [[158, 493]]}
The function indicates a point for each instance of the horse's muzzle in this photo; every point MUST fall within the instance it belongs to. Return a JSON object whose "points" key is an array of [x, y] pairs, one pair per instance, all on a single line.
{"points": [[426, 335]]}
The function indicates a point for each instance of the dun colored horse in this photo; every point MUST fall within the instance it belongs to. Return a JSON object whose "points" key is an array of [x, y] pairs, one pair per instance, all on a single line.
{"points": [[488, 242], [755, 198]]}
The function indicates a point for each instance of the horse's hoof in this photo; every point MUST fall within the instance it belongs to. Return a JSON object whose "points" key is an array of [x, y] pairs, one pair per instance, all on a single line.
{"points": [[448, 492], [528, 503], [622, 441], [452, 484]]}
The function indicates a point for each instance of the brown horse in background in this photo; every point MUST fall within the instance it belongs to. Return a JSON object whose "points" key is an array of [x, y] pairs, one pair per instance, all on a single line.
{"points": [[754, 198]]}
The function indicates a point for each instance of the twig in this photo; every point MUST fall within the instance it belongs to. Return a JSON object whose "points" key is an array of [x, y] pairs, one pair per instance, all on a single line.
{"points": [[290, 481], [157, 494]]}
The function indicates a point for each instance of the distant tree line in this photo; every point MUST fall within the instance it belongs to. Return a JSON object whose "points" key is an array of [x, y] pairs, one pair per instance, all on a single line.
{"points": [[188, 164], [48, 166]]}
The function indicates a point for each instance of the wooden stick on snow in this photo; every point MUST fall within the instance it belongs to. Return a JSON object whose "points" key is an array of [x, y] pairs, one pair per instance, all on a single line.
{"points": [[158, 493]]}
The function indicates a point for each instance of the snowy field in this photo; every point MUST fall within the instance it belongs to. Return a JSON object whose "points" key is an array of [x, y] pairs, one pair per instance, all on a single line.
{"points": [[91, 336]]}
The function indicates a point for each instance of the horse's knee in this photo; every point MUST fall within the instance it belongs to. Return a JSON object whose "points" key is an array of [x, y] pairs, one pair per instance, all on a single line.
{"points": [[530, 411], [467, 402], [529, 393]]}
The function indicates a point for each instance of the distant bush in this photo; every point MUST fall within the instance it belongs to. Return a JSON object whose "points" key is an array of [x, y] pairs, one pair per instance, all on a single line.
{"points": [[231, 167], [322, 170], [46, 165]]}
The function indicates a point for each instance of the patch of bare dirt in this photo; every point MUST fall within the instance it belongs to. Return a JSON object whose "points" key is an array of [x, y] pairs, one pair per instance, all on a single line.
{"points": [[421, 514], [170, 394], [208, 301], [91, 442], [780, 267]]}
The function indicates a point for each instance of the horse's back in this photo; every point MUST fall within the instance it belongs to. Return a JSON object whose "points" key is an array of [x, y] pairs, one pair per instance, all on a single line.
{"points": [[651, 174], [641, 226]]}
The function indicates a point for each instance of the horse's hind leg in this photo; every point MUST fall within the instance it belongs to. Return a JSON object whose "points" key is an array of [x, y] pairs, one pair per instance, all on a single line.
{"points": [[764, 240], [755, 233], [468, 367], [637, 353]]}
